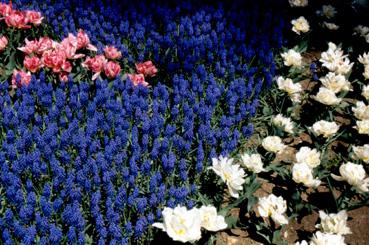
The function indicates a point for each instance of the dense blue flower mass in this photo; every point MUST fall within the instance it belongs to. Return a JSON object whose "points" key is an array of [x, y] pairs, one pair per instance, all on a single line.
{"points": [[97, 162]]}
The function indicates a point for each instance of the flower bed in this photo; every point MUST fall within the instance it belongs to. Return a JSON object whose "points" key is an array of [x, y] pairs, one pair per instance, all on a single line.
{"points": [[95, 142]]}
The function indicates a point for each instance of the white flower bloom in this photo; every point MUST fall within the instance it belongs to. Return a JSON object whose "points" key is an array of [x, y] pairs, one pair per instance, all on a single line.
{"points": [[362, 126], [292, 58], [361, 152], [365, 92], [303, 242], [364, 59], [334, 223], [274, 207], [361, 111], [367, 38], [252, 162], [328, 11], [334, 60], [293, 89], [284, 123], [309, 156], [320, 238], [354, 174], [327, 97], [300, 25], [210, 220], [336, 83], [366, 72], [325, 128], [302, 173], [332, 54], [330, 26], [230, 173], [273, 144], [298, 3], [181, 224], [361, 30], [343, 66]]}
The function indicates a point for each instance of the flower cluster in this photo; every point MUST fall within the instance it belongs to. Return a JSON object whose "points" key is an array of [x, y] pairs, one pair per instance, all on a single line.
{"points": [[100, 160], [185, 225], [19, 19]]}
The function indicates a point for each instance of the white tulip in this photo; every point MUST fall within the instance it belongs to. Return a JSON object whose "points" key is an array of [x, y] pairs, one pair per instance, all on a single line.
{"points": [[273, 144], [300, 25], [325, 128], [361, 111], [362, 126], [327, 97], [302, 173], [210, 220], [252, 162], [336, 82], [364, 59], [298, 3], [293, 89], [320, 238], [354, 174], [334, 223], [230, 173], [181, 224], [274, 207], [292, 58], [285, 123], [361, 152], [309, 156], [365, 92]]}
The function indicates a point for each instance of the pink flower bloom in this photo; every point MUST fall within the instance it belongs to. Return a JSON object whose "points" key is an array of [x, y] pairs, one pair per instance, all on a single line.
{"points": [[24, 78], [138, 79], [66, 66], [3, 43], [54, 59], [45, 43], [147, 68], [95, 64], [63, 76], [32, 64], [17, 19], [112, 52], [5, 9], [34, 17], [112, 69], [83, 41], [30, 47], [69, 47]]}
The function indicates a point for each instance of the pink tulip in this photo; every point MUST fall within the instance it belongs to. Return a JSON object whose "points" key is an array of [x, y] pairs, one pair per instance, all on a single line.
{"points": [[147, 68], [112, 53], [138, 79], [54, 59], [95, 64], [66, 67], [34, 17], [32, 64], [30, 47], [69, 47], [112, 69], [25, 78], [83, 41], [5, 9], [45, 43], [3, 43], [63, 76], [17, 19]]}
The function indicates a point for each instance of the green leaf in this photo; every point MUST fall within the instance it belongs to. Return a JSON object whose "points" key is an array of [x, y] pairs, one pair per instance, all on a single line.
{"points": [[231, 221]]}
